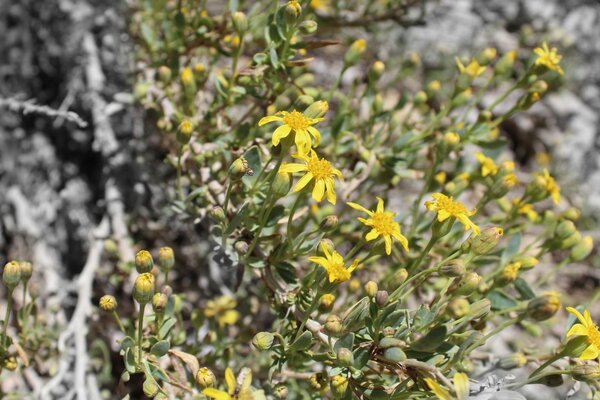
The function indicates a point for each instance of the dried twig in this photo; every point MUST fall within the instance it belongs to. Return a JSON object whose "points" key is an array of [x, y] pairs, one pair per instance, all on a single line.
{"points": [[29, 107]]}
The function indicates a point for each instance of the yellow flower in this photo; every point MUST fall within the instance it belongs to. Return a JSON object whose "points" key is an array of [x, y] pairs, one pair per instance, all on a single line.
{"points": [[488, 166], [588, 329], [551, 185], [473, 69], [461, 388], [186, 76], [549, 58], [440, 177], [297, 122], [333, 263], [543, 158], [223, 310], [510, 180], [446, 208], [320, 5], [382, 224], [244, 392], [320, 170], [526, 209]]}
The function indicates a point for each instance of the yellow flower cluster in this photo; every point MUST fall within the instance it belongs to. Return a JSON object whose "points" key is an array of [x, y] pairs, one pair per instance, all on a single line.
{"points": [[549, 58], [446, 208], [334, 264]]}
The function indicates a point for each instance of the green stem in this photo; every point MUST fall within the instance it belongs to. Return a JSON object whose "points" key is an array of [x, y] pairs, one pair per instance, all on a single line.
{"points": [[501, 98], [356, 248], [313, 306], [291, 217], [7, 315], [536, 378], [415, 265], [118, 320], [227, 196], [140, 327], [179, 155], [550, 361]]}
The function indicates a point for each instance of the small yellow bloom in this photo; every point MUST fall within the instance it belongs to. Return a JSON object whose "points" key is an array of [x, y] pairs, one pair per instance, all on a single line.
{"points": [[223, 310], [320, 5], [446, 208], [461, 388], [551, 186], [440, 177], [586, 328], [543, 158], [488, 166], [451, 138], [382, 224], [186, 76], [508, 166], [320, 170], [526, 209], [297, 122], [333, 263], [548, 57], [510, 180], [244, 392], [473, 69]]}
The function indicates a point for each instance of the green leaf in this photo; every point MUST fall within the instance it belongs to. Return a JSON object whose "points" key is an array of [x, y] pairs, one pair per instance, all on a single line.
{"points": [[355, 318], [361, 357], [511, 249], [127, 342], [303, 342], [160, 348], [166, 327], [500, 301], [274, 58], [239, 216], [524, 290], [287, 272], [432, 340], [346, 341], [275, 215], [129, 360]]}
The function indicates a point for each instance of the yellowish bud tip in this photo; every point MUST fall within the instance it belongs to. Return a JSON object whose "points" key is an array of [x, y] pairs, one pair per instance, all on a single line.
{"points": [[107, 303]]}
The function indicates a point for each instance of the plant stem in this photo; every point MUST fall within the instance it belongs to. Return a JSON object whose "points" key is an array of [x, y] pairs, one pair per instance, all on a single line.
{"points": [[119, 323], [179, 155], [140, 327], [417, 263], [291, 217], [7, 315]]}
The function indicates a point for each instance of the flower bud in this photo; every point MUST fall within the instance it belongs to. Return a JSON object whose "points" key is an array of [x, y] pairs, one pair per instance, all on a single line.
{"points": [[333, 325], [458, 307], [26, 271], [345, 357], [240, 22], [11, 275], [527, 262], [282, 184], [107, 303], [143, 289], [453, 268], [326, 302], [572, 213], [480, 309], [512, 361], [433, 87], [317, 381], [467, 284], [143, 261], [184, 132], [570, 241], [506, 63], [317, 109], [377, 104], [582, 249], [354, 285], [371, 288], [564, 229], [166, 258], [420, 98], [503, 185], [394, 354], [487, 55], [587, 371], [241, 247], [187, 77], [291, 12], [239, 168], [388, 331], [462, 97], [381, 298], [543, 307], [339, 386], [398, 278], [508, 274], [376, 70], [205, 378], [308, 27], [159, 302], [329, 223], [357, 48], [199, 69], [218, 214], [263, 340], [280, 392], [164, 74], [387, 342], [539, 87], [486, 240]]}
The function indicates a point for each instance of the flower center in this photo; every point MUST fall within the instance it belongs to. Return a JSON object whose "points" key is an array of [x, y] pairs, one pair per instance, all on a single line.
{"points": [[296, 120], [339, 272], [320, 169], [452, 207], [383, 222], [593, 335]]}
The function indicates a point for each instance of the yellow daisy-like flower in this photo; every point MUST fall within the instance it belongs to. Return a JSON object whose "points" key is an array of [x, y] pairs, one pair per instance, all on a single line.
{"points": [[333, 263], [223, 310], [549, 58], [588, 329], [461, 388], [446, 208], [320, 170], [473, 69], [526, 209], [244, 392], [297, 122], [382, 224], [488, 166], [551, 186]]}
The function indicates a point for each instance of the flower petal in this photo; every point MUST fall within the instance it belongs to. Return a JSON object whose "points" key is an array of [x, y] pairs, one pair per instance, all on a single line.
{"points": [[280, 133], [379, 205], [372, 235], [269, 119], [316, 134], [319, 190], [216, 394], [358, 207], [388, 244], [292, 167], [230, 380], [303, 182]]}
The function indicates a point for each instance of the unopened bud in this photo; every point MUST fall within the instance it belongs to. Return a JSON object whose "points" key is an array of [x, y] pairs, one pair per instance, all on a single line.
{"points": [[453, 268], [512, 361], [187, 77], [381, 298], [11, 275], [582, 249], [543, 307], [527, 262], [487, 55], [394, 354], [143, 289], [329, 223], [506, 62], [572, 213], [564, 229], [458, 307], [218, 214], [159, 302], [184, 132], [241, 247], [398, 279], [292, 12], [486, 240], [143, 261], [205, 378], [433, 87], [239, 168], [339, 386], [308, 27], [353, 54], [480, 309], [164, 74], [280, 392], [263, 340], [107, 303], [333, 325], [240, 22], [508, 274], [345, 357], [166, 258], [371, 288], [26, 271], [467, 284], [376, 70], [420, 98], [326, 302], [570, 241], [317, 109], [282, 184], [586, 371], [539, 87]]}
